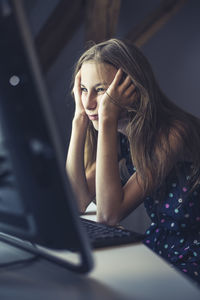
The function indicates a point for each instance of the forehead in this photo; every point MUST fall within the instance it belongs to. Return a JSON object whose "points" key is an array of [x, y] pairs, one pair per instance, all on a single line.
{"points": [[92, 69]]}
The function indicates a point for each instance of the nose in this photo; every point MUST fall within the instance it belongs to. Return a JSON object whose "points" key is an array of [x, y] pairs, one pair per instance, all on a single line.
{"points": [[90, 102]]}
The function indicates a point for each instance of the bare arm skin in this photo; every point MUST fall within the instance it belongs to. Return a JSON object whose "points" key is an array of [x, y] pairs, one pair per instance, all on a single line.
{"points": [[114, 202], [75, 157]]}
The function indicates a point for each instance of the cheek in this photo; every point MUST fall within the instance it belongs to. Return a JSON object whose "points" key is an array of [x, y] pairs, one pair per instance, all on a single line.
{"points": [[83, 100]]}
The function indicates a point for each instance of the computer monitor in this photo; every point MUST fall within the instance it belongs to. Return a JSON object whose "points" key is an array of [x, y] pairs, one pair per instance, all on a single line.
{"points": [[36, 201]]}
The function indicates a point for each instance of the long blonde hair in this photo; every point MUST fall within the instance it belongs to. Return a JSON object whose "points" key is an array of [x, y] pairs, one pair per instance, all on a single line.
{"points": [[151, 117]]}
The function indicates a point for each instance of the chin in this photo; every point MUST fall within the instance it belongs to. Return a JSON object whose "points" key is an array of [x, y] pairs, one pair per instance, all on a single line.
{"points": [[95, 125]]}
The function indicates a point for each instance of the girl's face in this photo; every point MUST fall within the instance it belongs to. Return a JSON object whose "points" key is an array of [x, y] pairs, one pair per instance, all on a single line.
{"points": [[95, 80]]}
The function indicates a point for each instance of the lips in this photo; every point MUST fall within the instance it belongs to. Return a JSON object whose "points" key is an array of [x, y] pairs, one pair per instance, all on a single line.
{"points": [[93, 117]]}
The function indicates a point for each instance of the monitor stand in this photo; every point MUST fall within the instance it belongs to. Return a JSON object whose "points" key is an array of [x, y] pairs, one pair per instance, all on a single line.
{"points": [[11, 255], [14, 251]]}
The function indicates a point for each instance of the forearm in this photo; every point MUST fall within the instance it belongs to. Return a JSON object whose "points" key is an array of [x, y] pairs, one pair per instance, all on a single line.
{"points": [[75, 162], [109, 192]]}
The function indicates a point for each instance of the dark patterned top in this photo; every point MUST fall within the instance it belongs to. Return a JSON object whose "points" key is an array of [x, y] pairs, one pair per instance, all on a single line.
{"points": [[174, 233]]}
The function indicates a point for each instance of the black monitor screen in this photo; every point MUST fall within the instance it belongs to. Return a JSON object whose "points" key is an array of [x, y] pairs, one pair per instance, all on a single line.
{"points": [[36, 201]]}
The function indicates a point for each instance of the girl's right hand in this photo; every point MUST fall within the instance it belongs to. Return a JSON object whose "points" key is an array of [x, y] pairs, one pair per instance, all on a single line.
{"points": [[79, 109]]}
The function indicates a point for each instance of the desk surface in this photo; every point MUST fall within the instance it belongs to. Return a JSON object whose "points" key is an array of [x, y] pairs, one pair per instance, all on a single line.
{"points": [[125, 272], [137, 272]]}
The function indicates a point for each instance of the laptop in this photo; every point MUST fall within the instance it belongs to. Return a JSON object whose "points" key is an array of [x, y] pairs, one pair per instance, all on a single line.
{"points": [[37, 204]]}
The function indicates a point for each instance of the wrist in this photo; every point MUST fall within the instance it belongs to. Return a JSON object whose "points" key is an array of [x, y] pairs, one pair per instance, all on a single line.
{"points": [[80, 117], [108, 121], [109, 114], [80, 121]]}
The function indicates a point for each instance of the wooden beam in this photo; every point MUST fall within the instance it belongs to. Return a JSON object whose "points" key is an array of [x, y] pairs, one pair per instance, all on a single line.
{"points": [[58, 30], [154, 21], [101, 19]]}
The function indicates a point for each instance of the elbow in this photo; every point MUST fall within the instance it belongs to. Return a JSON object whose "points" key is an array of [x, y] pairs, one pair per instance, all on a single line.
{"points": [[109, 214], [108, 219]]}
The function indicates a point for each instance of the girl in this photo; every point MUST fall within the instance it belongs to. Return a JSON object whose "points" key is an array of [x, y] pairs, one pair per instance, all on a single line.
{"points": [[130, 144]]}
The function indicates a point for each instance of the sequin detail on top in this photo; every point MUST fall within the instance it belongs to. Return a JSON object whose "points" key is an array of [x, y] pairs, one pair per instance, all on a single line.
{"points": [[174, 233], [175, 230]]}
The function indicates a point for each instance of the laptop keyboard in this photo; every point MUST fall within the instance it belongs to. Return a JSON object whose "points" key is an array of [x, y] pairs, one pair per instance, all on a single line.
{"points": [[101, 235]]}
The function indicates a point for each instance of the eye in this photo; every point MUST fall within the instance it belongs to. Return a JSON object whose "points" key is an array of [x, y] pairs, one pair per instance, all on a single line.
{"points": [[100, 90], [83, 90]]}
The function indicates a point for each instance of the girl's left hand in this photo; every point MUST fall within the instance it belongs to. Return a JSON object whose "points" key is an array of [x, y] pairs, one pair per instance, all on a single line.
{"points": [[117, 97]]}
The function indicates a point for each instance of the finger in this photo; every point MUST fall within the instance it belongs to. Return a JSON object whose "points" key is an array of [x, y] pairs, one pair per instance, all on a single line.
{"points": [[78, 78], [77, 82], [130, 90], [118, 77], [126, 83]]}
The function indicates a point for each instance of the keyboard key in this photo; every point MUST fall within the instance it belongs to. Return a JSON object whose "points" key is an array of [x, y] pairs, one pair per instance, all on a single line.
{"points": [[101, 235]]}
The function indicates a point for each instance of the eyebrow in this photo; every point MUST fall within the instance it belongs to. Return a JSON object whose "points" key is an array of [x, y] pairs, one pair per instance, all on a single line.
{"points": [[97, 84]]}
